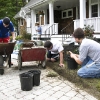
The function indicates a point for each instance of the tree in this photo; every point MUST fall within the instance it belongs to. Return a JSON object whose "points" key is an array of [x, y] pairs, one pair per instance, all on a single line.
{"points": [[10, 8]]}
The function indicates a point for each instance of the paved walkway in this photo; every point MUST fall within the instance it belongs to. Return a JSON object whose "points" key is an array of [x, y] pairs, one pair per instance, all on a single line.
{"points": [[50, 88]]}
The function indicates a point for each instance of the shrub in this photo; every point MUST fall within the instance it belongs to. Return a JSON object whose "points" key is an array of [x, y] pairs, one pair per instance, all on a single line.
{"points": [[88, 30], [24, 36]]}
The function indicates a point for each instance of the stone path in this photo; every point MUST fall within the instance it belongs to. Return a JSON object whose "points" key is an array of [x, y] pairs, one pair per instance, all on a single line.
{"points": [[50, 88]]}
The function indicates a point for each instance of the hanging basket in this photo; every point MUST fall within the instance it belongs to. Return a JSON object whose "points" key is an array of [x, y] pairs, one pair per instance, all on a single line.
{"points": [[40, 13]]}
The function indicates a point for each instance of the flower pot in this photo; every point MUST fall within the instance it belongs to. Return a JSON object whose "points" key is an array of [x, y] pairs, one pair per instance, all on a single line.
{"points": [[71, 63], [1, 71], [39, 42], [26, 80], [36, 77]]}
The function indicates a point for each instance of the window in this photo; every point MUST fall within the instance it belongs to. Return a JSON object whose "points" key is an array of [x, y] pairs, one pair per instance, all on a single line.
{"points": [[94, 10], [37, 17], [70, 13], [67, 13], [21, 22], [64, 14]]}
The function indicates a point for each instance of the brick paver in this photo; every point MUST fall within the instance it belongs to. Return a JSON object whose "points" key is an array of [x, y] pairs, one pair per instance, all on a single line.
{"points": [[50, 88]]}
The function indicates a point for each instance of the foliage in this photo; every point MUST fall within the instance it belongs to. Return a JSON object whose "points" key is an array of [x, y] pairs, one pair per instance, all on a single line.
{"points": [[24, 36], [88, 30], [19, 37], [10, 8], [52, 74]]}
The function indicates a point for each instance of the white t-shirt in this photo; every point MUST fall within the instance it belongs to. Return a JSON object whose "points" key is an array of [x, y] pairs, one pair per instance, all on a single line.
{"points": [[57, 47]]}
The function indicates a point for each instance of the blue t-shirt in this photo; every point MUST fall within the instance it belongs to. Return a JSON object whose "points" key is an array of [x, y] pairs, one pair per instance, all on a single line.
{"points": [[4, 31], [39, 30]]}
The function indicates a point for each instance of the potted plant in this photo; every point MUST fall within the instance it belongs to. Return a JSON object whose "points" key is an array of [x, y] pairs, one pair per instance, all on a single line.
{"points": [[88, 30]]}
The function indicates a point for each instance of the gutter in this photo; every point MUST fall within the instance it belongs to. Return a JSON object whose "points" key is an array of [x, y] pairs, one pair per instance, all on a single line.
{"points": [[31, 6]]}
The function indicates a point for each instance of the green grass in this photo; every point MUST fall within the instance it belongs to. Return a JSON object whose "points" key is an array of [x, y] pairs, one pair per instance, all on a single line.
{"points": [[91, 85]]}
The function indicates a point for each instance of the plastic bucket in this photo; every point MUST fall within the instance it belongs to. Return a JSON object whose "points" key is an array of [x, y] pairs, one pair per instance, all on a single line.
{"points": [[26, 80], [36, 77], [1, 60], [1, 71], [71, 63]]}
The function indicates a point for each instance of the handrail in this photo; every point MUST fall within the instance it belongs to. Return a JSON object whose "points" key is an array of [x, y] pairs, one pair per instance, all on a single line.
{"points": [[66, 26], [50, 28], [65, 36]]}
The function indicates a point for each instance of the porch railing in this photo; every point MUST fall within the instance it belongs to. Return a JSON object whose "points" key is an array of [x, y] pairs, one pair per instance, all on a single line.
{"points": [[89, 21], [28, 29], [52, 30], [47, 30]]}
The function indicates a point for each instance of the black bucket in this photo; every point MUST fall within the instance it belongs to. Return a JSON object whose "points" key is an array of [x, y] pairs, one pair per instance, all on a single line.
{"points": [[36, 77], [71, 63], [1, 71], [26, 80], [1, 60]]}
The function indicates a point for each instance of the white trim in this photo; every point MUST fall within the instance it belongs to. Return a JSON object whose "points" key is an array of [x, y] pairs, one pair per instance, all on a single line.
{"points": [[22, 13], [21, 22], [89, 8], [76, 12], [66, 11]]}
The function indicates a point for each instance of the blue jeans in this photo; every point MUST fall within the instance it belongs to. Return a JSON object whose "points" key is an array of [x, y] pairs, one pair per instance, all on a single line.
{"points": [[89, 69]]}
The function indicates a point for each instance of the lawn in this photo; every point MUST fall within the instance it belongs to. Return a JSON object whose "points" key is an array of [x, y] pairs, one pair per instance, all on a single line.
{"points": [[91, 85]]}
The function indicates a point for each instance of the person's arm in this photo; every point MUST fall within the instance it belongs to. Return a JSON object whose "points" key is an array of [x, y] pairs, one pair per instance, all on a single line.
{"points": [[11, 26], [75, 57], [61, 59], [13, 36]]}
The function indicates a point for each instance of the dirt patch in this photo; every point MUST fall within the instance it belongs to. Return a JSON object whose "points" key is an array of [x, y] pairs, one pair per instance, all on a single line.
{"points": [[91, 85]]}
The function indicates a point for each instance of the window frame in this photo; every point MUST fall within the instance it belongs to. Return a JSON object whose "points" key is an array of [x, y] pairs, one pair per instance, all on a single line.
{"points": [[97, 2], [21, 22], [66, 12], [94, 12]]}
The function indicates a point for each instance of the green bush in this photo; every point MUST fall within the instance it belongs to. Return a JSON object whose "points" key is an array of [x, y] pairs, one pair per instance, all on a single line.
{"points": [[25, 36], [19, 37]]}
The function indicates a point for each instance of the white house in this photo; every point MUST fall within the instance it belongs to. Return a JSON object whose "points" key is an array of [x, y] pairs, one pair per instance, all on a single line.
{"points": [[61, 16]]}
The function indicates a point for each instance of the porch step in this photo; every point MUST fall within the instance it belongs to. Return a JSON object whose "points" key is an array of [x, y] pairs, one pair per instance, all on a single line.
{"points": [[68, 40], [43, 37], [96, 35]]}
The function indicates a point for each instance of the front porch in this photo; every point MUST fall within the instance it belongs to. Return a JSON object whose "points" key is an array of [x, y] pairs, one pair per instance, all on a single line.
{"points": [[95, 21], [62, 17]]}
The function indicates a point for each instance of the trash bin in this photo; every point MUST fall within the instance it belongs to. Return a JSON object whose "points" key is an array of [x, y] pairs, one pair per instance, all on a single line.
{"points": [[71, 63], [1, 71], [36, 77], [26, 80]]}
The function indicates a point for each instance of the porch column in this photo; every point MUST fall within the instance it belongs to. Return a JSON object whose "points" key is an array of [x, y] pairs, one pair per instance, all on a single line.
{"points": [[82, 12], [45, 16], [33, 17], [51, 13]]}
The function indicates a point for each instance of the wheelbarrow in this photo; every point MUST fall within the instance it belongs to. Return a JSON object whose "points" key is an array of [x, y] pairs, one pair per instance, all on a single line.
{"points": [[32, 54], [5, 54]]}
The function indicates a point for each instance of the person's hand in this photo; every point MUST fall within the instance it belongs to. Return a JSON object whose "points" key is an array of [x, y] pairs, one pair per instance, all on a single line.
{"points": [[61, 65], [70, 52], [72, 55]]}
